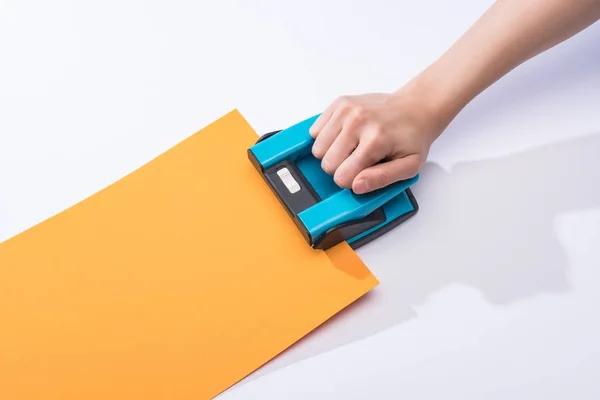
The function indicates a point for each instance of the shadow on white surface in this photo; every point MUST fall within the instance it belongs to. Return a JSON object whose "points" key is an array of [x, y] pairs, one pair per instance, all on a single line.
{"points": [[487, 202], [485, 224]]}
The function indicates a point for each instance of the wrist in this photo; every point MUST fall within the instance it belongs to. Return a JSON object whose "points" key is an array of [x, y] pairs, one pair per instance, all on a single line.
{"points": [[434, 100], [445, 94]]}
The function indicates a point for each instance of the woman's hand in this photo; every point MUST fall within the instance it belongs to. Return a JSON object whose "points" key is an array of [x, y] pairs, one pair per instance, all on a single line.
{"points": [[370, 141], [355, 133]]}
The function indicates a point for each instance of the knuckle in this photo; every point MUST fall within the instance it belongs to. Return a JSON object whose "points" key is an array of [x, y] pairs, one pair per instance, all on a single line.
{"points": [[376, 144], [342, 100], [359, 112], [345, 104], [357, 116], [377, 131]]}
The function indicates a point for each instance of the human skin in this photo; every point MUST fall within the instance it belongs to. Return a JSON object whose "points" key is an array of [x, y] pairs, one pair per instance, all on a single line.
{"points": [[372, 140]]}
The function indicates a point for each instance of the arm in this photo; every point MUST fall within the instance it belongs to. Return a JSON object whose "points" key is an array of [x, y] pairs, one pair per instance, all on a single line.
{"points": [[508, 34], [355, 133]]}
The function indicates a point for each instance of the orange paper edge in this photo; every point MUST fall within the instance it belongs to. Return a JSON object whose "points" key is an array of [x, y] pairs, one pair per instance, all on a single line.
{"points": [[166, 284]]}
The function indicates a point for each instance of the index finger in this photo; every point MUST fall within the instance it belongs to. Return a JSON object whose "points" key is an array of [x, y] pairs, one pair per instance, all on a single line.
{"points": [[322, 120], [364, 156]]}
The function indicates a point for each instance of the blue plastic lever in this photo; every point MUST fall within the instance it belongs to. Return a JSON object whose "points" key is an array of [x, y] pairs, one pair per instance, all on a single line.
{"points": [[346, 206], [336, 206], [291, 143]]}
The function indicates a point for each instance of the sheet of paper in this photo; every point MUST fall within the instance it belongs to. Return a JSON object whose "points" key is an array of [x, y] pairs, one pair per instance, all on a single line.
{"points": [[175, 282]]}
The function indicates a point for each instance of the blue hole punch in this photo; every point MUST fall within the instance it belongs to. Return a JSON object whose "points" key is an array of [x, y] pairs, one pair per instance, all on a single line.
{"points": [[325, 213]]}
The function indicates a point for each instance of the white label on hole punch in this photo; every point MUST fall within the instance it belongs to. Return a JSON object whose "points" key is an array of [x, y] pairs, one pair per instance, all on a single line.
{"points": [[288, 180]]}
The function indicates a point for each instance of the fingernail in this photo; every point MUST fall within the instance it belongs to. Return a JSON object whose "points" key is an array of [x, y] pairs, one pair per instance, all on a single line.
{"points": [[362, 186]]}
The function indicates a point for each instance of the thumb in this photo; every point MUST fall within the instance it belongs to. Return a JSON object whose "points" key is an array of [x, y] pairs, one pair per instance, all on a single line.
{"points": [[386, 173]]}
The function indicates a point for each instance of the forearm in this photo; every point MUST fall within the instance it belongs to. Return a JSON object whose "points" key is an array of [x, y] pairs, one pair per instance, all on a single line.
{"points": [[508, 34]]}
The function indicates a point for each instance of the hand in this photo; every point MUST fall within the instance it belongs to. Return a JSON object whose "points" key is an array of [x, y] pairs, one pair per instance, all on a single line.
{"points": [[356, 133], [370, 141]]}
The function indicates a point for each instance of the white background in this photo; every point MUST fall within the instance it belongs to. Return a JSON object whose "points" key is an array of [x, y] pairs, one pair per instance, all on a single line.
{"points": [[492, 291]]}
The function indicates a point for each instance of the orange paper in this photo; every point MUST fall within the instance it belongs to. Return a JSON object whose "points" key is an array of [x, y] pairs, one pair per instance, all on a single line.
{"points": [[175, 282]]}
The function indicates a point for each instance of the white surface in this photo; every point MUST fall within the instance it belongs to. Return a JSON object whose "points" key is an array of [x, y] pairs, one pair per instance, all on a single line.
{"points": [[492, 291]]}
